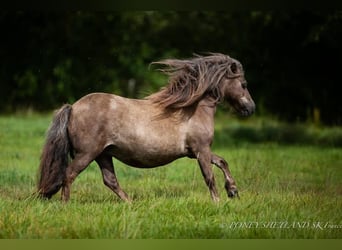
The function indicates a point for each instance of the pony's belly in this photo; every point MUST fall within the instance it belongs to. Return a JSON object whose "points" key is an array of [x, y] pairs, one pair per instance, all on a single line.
{"points": [[143, 159], [144, 163]]}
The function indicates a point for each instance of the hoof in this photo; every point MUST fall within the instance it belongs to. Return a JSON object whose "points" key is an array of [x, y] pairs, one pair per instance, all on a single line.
{"points": [[44, 196], [233, 193]]}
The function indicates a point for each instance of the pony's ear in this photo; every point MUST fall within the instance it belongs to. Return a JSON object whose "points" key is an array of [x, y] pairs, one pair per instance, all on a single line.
{"points": [[233, 68]]}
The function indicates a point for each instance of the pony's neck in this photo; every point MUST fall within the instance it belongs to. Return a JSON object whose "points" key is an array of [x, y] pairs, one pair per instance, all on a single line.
{"points": [[207, 106], [208, 102]]}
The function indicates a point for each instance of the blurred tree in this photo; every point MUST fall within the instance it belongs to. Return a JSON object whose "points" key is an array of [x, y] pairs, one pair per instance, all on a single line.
{"points": [[291, 59]]}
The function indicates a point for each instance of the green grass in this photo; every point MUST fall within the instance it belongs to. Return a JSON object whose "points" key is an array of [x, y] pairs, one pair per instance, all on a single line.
{"points": [[289, 188]]}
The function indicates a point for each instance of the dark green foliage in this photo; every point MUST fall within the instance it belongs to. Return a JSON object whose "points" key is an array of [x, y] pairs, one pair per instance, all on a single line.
{"points": [[263, 131], [285, 134], [292, 59]]}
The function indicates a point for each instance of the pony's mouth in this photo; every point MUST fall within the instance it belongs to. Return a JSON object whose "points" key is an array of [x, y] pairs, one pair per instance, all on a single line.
{"points": [[243, 107], [245, 110]]}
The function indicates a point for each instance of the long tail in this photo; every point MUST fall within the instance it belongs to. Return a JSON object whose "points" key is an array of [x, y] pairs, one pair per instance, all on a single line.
{"points": [[54, 159]]}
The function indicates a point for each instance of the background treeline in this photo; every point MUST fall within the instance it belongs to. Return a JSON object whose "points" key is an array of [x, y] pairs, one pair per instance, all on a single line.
{"points": [[292, 59]]}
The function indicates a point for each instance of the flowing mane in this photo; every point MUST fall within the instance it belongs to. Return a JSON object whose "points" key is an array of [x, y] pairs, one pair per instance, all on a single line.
{"points": [[190, 79]]}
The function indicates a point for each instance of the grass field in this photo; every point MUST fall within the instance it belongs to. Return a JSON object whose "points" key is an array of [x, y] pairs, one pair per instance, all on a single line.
{"points": [[289, 176]]}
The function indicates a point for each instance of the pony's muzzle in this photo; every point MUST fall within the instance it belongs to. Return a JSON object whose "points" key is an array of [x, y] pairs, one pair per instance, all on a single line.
{"points": [[247, 106]]}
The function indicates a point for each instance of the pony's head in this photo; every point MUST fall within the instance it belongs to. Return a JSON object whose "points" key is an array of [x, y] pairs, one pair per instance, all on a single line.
{"points": [[235, 89], [217, 76]]}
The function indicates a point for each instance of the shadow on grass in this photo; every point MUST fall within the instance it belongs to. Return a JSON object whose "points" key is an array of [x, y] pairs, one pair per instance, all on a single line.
{"points": [[285, 134]]}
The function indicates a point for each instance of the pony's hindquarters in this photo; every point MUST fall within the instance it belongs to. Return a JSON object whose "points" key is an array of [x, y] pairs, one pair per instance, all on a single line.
{"points": [[54, 158]]}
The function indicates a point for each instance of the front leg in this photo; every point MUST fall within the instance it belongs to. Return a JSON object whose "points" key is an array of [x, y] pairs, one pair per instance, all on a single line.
{"points": [[204, 161], [230, 185]]}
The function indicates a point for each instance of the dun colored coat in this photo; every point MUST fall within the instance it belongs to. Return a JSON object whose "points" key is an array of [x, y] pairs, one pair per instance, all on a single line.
{"points": [[177, 121]]}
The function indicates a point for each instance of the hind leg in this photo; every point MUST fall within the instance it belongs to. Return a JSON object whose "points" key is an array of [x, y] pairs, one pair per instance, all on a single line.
{"points": [[80, 162], [109, 178]]}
